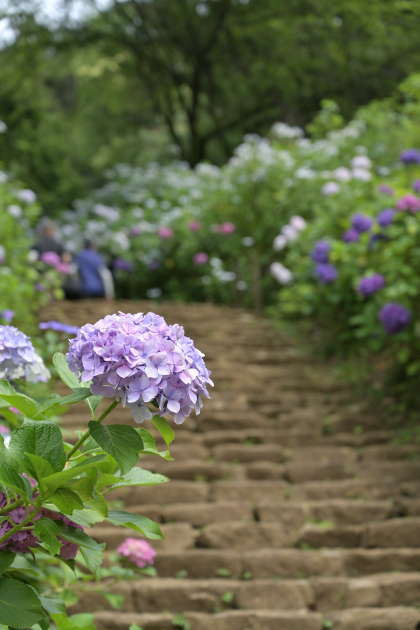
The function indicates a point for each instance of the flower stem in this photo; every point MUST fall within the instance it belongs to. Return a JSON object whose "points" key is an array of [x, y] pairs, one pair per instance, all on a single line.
{"points": [[18, 503], [86, 435], [20, 526]]}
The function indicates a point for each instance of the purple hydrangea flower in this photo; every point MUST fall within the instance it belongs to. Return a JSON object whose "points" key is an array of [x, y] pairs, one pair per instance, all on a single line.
{"points": [[410, 156], [370, 284], [326, 273], [394, 317], [59, 327], [18, 358], [139, 358], [416, 186], [123, 265], [361, 223], [351, 235], [387, 190], [386, 217], [320, 253], [7, 315], [410, 203]]}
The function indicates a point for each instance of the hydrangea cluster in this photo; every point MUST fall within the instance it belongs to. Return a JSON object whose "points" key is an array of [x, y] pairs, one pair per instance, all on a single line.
{"points": [[139, 358], [361, 223], [351, 236], [282, 274], [68, 329], [289, 232], [387, 190], [123, 265], [200, 258], [371, 284], [326, 273], [21, 541], [386, 217], [320, 253], [409, 203], [410, 156], [394, 317], [18, 358], [137, 551]]}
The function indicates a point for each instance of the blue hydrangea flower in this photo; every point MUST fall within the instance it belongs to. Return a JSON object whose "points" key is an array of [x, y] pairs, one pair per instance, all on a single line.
{"points": [[361, 223], [386, 217], [394, 317], [321, 251], [350, 236], [326, 273], [18, 358], [139, 358], [371, 284], [59, 327], [410, 156]]}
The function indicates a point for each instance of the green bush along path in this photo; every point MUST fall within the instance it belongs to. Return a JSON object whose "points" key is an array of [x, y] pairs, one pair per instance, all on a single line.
{"points": [[289, 506]]}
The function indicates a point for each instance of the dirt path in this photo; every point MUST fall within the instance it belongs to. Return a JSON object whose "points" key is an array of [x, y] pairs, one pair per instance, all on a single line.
{"points": [[289, 508]]}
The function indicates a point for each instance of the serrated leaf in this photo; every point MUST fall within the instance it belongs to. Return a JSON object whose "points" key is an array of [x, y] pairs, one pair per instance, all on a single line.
{"points": [[90, 550], [43, 623], [41, 466], [140, 524], [6, 560], [10, 478], [20, 606], [136, 477], [6, 456], [96, 508], [53, 606], [47, 531], [38, 437], [49, 484], [164, 429], [26, 405], [149, 444], [118, 440], [66, 500], [79, 394], [63, 370]]}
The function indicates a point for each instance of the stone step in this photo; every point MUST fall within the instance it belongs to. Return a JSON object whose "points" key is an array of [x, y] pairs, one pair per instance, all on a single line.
{"points": [[316, 594]]}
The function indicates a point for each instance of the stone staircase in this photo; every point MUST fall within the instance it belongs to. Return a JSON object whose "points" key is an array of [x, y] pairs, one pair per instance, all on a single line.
{"points": [[289, 506]]}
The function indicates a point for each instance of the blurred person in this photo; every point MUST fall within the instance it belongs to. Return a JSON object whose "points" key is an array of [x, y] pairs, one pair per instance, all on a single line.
{"points": [[48, 243], [95, 277]]}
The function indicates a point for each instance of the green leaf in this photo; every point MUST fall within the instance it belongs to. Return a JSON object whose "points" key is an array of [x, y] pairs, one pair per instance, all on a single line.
{"points": [[81, 621], [20, 606], [42, 438], [6, 560], [25, 404], [49, 484], [140, 524], [41, 466], [118, 440], [149, 445], [93, 403], [136, 477], [6, 456], [60, 363], [90, 550], [79, 394], [43, 623], [97, 507], [47, 531], [53, 606], [83, 486], [164, 429], [66, 500], [115, 600], [10, 478]]}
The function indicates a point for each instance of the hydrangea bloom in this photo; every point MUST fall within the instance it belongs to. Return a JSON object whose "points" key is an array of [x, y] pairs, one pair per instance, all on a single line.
{"points": [[361, 223], [326, 273], [165, 232], [330, 188], [18, 358], [227, 228], [370, 284], [394, 317], [59, 327], [135, 231], [200, 258], [321, 251], [361, 161], [194, 226], [7, 315], [386, 217], [138, 551], [139, 358], [279, 242], [21, 541], [387, 190], [351, 235], [298, 222], [343, 174], [411, 203], [410, 156], [281, 273], [416, 186], [123, 265], [362, 174], [51, 258]]}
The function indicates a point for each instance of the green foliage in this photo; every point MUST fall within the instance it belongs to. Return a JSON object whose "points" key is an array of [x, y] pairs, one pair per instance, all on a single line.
{"points": [[120, 441], [20, 606]]}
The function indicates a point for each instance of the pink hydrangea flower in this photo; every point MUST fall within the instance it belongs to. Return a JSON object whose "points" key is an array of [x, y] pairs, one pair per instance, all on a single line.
{"points": [[51, 258], [200, 258], [227, 228], [411, 203], [165, 232], [138, 551], [194, 226]]}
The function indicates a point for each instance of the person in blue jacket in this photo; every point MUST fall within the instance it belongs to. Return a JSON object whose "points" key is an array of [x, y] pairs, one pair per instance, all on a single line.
{"points": [[95, 277]]}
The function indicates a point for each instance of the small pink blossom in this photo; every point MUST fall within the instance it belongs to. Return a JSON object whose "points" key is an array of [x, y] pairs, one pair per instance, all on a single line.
{"points": [[194, 226], [227, 228], [4, 429], [51, 258], [63, 267], [165, 232], [14, 410], [200, 258], [138, 551], [411, 203]]}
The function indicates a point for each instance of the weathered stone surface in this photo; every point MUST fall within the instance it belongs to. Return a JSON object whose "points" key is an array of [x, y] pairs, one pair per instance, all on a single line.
{"points": [[251, 491], [399, 589], [200, 514], [363, 592], [265, 471], [253, 452], [322, 455], [242, 536], [293, 563], [368, 561], [329, 593], [164, 494], [399, 471], [401, 532], [200, 563], [299, 473], [255, 620], [275, 595], [316, 536], [376, 619]]}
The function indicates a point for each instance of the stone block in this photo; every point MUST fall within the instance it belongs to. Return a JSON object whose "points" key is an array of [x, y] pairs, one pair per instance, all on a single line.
{"points": [[243, 535]]}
